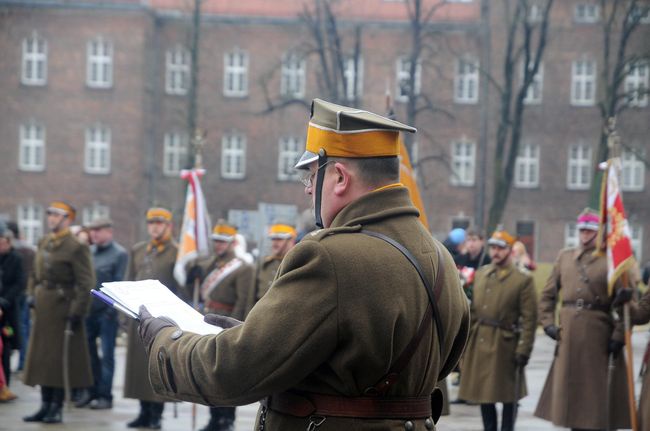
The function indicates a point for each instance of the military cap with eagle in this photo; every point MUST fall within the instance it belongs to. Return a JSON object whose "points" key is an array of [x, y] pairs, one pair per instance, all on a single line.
{"points": [[340, 131]]}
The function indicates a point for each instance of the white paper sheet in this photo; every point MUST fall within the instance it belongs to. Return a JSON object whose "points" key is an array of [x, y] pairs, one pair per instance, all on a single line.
{"points": [[160, 301]]}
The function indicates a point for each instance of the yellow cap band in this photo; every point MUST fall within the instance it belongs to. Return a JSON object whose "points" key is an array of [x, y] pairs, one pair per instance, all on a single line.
{"points": [[159, 214], [282, 231], [226, 230], [378, 143]]}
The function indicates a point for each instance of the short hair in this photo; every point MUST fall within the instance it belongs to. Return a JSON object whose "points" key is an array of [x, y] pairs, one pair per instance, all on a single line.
{"points": [[474, 232], [13, 226], [374, 171]]}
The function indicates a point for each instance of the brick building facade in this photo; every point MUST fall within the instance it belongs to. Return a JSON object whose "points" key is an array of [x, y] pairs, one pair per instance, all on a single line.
{"points": [[96, 110]]}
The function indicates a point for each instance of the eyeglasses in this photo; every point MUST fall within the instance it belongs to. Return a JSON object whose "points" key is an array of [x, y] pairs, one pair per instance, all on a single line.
{"points": [[307, 177]]}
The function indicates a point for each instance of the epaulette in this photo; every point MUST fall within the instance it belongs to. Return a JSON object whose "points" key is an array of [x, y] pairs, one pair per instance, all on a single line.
{"points": [[319, 234]]}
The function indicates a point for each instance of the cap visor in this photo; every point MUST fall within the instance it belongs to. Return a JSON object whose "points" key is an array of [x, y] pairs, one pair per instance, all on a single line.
{"points": [[307, 158]]}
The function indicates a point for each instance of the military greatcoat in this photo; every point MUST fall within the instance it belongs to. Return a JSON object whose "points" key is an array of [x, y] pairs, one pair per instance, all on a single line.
{"points": [[504, 318], [60, 284], [265, 273], [229, 296], [343, 306], [147, 261], [640, 314], [574, 395]]}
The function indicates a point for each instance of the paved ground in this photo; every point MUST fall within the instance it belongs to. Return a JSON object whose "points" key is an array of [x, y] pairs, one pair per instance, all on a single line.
{"points": [[462, 417]]}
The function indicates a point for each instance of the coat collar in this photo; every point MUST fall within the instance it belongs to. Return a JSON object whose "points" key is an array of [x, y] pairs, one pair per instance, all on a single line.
{"points": [[501, 273]]}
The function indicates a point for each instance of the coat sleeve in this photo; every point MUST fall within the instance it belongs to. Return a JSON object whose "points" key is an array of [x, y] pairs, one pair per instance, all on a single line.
{"points": [[84, 279], [291, 331], [244, 285], [549, 297], [528, 313], [640, 311]]}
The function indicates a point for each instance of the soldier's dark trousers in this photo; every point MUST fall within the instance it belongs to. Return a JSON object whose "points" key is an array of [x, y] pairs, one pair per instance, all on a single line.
{"points": [[221, 419], [489, 415]]}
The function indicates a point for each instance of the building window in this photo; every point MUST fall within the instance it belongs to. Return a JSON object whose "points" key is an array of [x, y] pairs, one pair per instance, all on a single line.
{"points": [[292, 83], [288, 155], [177, 78], [527, 166], [235, 71], [98, 150], [632, 171], [525, 232], [30, 222], [233, 156], [466, 81], [93, 212], [174, 152], [583, 83], [403, 78], [570, 235], [463, 161], [534, 93], [34, 66], [636, 84], [579, 167], [636, 237], [353, 78], [535, 13], [99, 69], [32, 147], [643, 12], [586, 13]]}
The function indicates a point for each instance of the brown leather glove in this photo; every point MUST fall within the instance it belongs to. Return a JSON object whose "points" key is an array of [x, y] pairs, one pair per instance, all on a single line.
{"points": [[221, 321], [150, 326]]}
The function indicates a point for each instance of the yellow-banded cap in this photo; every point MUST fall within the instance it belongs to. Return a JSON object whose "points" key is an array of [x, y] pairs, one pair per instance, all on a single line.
{"points": [[223, 231], [63, 208], [349, 132], [282, 231], [501, 238], [159, 214]]}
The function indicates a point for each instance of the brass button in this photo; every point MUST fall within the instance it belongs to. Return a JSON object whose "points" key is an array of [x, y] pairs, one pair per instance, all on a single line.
{"points": [[428, 423], [161, 357], [408, 426], [177, 334]]}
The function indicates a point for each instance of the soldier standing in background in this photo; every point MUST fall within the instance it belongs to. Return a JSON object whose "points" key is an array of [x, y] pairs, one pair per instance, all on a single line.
{"points": [[59, 291], [283, 238], [504, 318], [152, 259], [575, 392]]}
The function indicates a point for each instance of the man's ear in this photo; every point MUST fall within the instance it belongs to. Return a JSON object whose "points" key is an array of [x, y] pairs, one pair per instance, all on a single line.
{"points": [[343, 178]]}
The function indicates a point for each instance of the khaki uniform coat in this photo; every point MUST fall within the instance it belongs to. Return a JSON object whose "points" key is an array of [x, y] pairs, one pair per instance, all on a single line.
{"points": [[265, 273], [60, 284], [575, 392], [145, 262], [343, 306], [488, 366], [640, 315], [233, 290]]}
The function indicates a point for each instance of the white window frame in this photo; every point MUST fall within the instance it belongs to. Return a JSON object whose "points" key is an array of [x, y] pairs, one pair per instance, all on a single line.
{"points": [[175, 150], [636, 238], [571, 239], [31, 150], [289, 151], [534, 95], [535, 14], [645, 19], [632, 172], [463, 162], [402, 68], [292, 79], [636, 84], [466, 80], [96, 210], [177, 68], [30, 222], [586, 13], [235, 73], [34, 61], [579, 167], [99, 59], [233, 156], [583, 82], [349, 75], [97, 159], [527, 166]]}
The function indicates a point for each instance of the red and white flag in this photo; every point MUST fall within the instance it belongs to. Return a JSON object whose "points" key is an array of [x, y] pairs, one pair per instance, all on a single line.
{"points": [[194, 239], [614, 232]]}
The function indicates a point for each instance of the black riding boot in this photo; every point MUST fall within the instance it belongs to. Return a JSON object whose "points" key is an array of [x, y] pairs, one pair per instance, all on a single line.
{"points": [[156, 415], [489, 415], [46, 399], [143, 418], [54, 414]]}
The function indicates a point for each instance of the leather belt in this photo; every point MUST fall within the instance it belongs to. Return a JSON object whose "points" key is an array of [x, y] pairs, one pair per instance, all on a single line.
{"points": [[496, 324], [307, 404], [581, 304]]}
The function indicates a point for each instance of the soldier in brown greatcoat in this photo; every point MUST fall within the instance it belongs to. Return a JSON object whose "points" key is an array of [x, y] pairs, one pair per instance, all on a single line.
{"points": [[575, 392], [283, 238], [153, 259], [224, 291], [322, 346], [504, 318], [59, 288]]}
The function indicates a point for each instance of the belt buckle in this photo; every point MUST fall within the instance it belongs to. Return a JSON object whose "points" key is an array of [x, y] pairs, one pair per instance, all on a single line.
{"points": [[580, 304]]}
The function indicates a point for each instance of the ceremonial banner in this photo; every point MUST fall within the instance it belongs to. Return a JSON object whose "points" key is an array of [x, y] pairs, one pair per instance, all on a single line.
{"points": [[194, 239], [407, 177], [614, 232]]}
